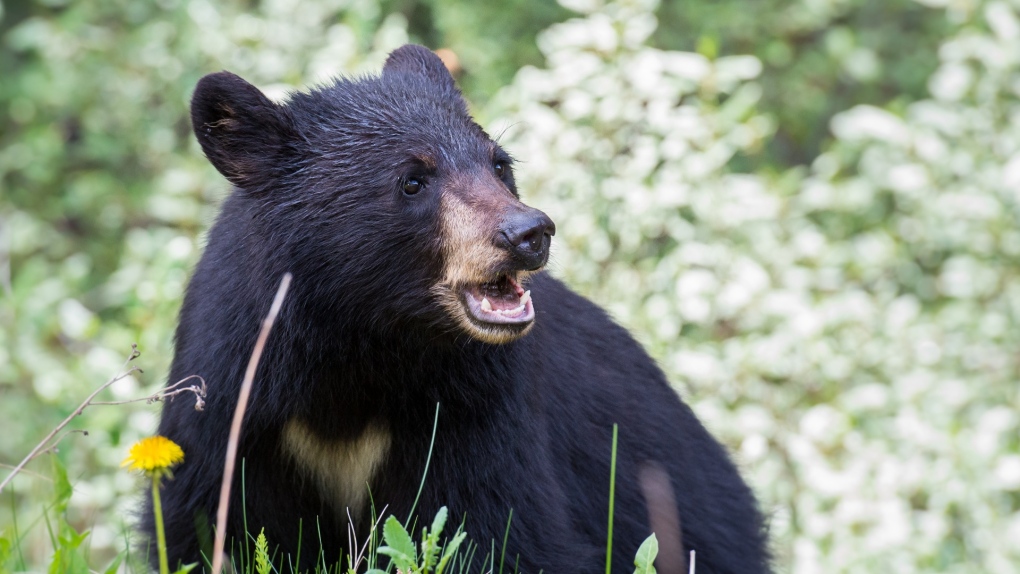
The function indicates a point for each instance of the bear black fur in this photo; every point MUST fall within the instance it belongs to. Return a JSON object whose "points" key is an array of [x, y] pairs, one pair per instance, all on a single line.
{"points": [[392, 209]]}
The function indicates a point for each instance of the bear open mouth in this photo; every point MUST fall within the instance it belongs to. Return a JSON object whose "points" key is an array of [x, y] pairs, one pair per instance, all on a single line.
{"points": [[501, 301]]}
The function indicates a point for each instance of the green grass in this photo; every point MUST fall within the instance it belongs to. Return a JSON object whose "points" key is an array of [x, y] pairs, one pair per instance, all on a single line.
{"points": [[430, 553]]}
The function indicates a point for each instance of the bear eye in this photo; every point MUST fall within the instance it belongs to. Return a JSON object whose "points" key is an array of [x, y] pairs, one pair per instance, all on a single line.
{"points": [[413, 185], [500, 168]]}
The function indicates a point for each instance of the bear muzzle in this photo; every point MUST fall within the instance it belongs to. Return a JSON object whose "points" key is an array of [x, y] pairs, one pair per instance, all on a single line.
{"points": [[525, 235], [491, 243]]}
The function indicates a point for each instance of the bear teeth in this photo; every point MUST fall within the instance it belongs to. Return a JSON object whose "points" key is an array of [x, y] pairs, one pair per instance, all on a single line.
{"points": [[487, 306], [511, 312], [490, 308]]}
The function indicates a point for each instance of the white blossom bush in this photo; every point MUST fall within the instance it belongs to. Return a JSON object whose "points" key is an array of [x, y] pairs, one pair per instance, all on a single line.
{"points": [[850, 330], [61, 335]]}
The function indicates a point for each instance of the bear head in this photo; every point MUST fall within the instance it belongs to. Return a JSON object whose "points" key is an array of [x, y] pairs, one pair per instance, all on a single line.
{"points": [[390, 205]]}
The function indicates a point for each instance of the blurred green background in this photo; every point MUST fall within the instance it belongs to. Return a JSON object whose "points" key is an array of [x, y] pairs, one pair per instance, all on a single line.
{"points": [[806, 209]]}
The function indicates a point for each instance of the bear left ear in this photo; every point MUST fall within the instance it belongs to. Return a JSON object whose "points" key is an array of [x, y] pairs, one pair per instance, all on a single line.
{"points": [[242, 132], [414, 59]]}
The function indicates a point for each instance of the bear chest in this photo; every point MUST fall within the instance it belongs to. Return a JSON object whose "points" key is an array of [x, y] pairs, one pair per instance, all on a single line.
{"points": [[341, 470]]}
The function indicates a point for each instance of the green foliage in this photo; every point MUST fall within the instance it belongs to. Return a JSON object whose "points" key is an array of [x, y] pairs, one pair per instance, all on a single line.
{"points": [[819, 58], [114, 566], [492, 40], [644, 560], [103, 195], [66, 541], [70, 552], [6, 551], [61, 486], [262, 564], [836, 299], [435, 556], [399, 545], [845, 326], [67, 556]]}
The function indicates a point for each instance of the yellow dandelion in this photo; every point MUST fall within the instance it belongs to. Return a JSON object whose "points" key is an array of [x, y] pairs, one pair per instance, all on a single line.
{"points": [[153, 454]]}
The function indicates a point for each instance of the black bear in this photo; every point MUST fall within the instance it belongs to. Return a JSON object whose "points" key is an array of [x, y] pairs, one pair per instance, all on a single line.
{"points": [[417, 280]]}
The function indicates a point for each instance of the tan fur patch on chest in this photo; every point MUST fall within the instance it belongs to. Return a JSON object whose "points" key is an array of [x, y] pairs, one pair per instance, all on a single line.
{"points": [[341, 469]]}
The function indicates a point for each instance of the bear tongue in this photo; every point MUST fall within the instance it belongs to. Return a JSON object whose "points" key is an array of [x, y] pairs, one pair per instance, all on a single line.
{"points": [[505, 301], [502, 294]]}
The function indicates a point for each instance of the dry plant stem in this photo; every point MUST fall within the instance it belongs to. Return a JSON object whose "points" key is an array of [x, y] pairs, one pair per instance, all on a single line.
{"points": [[169, 392], [29, 472], [663, 517], [42, 445], [352, 538], [235, 425]]}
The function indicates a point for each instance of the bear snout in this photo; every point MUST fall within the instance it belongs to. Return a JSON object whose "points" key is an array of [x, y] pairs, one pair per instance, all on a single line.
{"points": [[527, 235]]}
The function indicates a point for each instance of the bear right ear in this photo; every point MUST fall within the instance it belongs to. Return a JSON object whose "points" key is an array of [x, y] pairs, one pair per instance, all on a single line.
{"points": [[242, 132], [414, 59]]}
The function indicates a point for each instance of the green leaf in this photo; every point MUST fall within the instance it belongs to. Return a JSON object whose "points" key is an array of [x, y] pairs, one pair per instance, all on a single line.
{"points": [[430, 541], [439, 522], [6, 549], [399, 546], [186, 568], [66, 558], [398, 538], [450, 551], [402, 561], [429, 551], [115, 565], [646, 553], [57, 564], [62, 489], [71, 538], [262, 553]]}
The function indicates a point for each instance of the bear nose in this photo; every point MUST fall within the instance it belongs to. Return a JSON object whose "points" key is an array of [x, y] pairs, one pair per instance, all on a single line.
{"points": [[527, 235]]}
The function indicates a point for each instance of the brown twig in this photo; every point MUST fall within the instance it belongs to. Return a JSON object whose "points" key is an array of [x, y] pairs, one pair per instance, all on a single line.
{"points": [[171, 391], [28, 472], [39, 447], [235, 425], [663, 517], [42, 445]]}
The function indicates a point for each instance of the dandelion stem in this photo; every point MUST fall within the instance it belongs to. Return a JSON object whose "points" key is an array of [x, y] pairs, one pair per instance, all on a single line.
{"points": [[157, 509]]}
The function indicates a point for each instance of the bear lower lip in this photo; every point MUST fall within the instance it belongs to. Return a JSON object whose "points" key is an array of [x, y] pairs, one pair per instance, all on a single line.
{"points": [[502, 301]]}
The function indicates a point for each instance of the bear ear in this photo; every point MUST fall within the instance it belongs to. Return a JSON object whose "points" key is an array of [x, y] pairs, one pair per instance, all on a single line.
{"points": [[242, 132], [414, 59]]}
